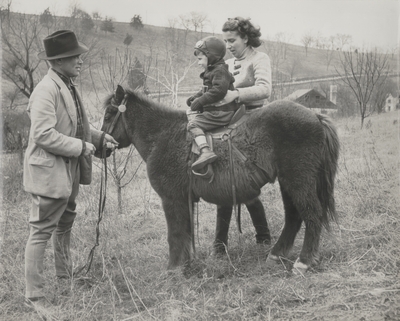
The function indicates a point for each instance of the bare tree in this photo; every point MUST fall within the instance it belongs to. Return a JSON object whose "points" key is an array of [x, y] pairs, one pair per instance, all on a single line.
{"points": [[307, 41], [283, 40], [343, 40], [171, 64], [21, 44], [121, 162], [12, 96], [274, 51], [198, 20], [329, 54], [346, 103], [332, 42], [363, 72], [214, 25], [394, 50], [114, 68], [151, 41], [110, 71], [172, 75], [173, 22], [293, 66], [186, 23], [319, 41]]}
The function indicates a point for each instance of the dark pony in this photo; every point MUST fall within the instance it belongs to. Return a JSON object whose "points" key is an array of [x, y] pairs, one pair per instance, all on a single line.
{"points": [[290, 142]]}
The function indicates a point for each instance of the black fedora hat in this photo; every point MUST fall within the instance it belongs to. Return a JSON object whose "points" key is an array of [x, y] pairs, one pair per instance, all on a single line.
{"points": [[61, 44]]}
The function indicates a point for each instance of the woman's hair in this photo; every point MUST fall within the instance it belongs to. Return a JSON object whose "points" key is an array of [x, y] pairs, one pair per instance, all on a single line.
{"points": [[244, 28]]}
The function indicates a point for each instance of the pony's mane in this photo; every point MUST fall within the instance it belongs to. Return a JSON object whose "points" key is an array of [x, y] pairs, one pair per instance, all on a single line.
{"points": [[138, 97]]}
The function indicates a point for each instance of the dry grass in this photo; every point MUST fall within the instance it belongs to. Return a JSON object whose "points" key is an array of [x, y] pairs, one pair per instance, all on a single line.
{"points": [[357, 278]]}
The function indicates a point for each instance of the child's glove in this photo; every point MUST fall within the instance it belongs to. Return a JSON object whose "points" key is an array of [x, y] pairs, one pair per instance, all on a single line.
{"points": [[195, 105], [189, 100]]}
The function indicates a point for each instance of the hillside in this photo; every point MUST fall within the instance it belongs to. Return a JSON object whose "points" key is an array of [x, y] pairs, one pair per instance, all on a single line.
{"points": [[165, 55], [152, 38]]}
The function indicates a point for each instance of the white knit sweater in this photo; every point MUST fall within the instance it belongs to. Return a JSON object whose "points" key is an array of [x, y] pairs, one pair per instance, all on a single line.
{"points": [[252, 72]]}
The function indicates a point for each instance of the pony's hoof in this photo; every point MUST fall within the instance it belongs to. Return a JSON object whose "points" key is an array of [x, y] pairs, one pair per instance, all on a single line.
{"points": [[272, 260], [219, 249], [218, 253], [299, 268]]}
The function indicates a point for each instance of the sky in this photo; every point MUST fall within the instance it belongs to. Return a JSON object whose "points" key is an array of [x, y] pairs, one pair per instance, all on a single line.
{"points": [[370, 22]]}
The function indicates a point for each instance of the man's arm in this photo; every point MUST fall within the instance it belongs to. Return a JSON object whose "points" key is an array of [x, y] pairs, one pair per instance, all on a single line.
{"points": [[43, 121]]}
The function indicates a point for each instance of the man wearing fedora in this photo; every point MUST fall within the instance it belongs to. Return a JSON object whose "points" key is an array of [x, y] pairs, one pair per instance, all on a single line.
{"points": [[57, 159]]}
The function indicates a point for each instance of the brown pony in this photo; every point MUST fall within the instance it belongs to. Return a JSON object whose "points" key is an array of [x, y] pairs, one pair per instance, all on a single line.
{"points": [[290, 142]]}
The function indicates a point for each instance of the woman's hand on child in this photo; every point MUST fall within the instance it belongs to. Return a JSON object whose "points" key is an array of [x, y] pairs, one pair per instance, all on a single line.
{"points": [[189, 100], [230, 96], [195, 105]]}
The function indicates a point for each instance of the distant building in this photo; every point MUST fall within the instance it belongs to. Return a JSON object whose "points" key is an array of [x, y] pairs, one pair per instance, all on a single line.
{"points": [[391, 103], [314, 100]]}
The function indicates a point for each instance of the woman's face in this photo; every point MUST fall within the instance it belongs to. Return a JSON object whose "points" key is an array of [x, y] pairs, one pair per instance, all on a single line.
{"points": [[234, 43]]}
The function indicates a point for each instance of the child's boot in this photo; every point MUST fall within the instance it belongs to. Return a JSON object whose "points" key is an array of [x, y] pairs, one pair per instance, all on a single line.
{"points": [[207, 156]]}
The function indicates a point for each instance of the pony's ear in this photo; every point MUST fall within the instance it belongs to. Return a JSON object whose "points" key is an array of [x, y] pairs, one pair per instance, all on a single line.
{"points": [[119, 94]]}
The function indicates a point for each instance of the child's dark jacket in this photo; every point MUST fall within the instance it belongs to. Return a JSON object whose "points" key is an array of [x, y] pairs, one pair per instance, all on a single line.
{"points": [[218, 81]]}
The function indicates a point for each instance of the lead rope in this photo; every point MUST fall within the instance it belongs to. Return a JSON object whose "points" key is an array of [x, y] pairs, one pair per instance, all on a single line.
{"points": [[102, 202], [103, 185]]}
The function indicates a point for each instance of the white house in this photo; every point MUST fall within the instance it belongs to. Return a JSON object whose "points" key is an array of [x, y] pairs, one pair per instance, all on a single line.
{"points": [[391, 103]]}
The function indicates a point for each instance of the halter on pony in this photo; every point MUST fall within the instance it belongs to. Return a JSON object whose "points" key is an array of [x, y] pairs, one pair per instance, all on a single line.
{"points": [[121, 109]]}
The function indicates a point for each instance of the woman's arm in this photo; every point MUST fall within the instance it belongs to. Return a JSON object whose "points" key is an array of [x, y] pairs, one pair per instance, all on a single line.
{"points": [[254, 83], [262, 81]]}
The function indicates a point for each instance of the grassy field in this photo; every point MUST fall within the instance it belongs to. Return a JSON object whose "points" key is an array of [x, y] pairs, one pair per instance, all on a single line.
{"points": [[357, 278]]}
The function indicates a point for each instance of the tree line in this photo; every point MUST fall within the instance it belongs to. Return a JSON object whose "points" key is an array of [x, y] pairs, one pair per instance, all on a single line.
{"points": [[164, 68]]}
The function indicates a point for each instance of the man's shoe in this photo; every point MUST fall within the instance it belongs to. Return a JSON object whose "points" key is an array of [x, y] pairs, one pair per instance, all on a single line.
{"points": [[205, 158]]}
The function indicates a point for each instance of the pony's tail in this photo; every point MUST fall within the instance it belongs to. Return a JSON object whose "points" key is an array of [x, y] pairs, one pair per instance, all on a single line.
{"points": [[326, 176]]}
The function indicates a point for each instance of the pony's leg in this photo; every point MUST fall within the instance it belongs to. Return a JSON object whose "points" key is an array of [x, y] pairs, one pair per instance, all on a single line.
{"points": [[179, 233], [224, 214], [259, 219], [292, 226], [311, 212]]}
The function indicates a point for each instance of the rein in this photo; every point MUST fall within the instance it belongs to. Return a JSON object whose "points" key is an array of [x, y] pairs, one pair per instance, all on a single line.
{"points": [[102, 203], [103, 184]]}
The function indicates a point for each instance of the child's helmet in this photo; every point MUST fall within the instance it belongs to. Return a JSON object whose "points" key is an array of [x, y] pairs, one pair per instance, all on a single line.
{"points": [[213, 47]]}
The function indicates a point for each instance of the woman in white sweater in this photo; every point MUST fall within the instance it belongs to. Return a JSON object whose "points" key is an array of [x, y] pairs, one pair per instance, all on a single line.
{"points": [[252, 72]]}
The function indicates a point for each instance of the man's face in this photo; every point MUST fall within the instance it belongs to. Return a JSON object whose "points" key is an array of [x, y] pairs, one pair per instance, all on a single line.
{"points": [[71, 66]]}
